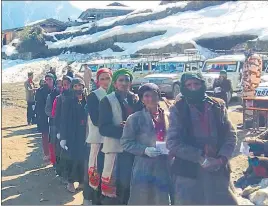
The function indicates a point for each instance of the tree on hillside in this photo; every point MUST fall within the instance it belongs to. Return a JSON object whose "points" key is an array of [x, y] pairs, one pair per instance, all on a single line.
{"points": [[32, 40]]}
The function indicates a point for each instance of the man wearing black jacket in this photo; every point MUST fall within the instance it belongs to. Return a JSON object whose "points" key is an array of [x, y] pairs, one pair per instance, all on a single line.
{"points": [[42, 118], [222, 87]]}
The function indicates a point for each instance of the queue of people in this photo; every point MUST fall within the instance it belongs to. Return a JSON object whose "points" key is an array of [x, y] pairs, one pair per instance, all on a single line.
{"points": [[124, 148]]}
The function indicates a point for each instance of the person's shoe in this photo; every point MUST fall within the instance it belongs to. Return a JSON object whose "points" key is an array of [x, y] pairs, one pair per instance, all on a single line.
{"points": [[70, 187]]}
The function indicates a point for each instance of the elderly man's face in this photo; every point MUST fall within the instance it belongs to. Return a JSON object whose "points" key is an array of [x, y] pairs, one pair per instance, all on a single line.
{"points": [[193, 84]]}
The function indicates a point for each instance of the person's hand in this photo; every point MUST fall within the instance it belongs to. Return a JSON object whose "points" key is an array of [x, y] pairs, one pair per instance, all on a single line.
{"points": [[212, 164], [135, 97], [201, 160], [171, 153], [250, 140], [255, 140], [152, 152], [58, 136], [210, 151], [63, 144], [122, 124]]}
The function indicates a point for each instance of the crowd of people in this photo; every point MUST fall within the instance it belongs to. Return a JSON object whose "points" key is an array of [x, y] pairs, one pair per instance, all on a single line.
{"points": [[124, 148]]}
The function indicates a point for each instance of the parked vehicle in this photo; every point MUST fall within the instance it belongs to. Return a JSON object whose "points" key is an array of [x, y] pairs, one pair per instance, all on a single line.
{"points": [[167, 72], [233, 64]]}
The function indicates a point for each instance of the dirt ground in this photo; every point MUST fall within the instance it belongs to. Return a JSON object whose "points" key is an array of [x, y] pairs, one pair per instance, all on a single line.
{"points": [[25, 179]]}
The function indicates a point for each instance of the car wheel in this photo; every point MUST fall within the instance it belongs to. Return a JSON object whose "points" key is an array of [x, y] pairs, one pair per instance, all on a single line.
{"points": [[176, 90]]}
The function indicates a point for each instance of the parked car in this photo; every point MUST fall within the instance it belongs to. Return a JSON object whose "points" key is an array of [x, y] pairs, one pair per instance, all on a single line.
{"points": [[168, 72]]}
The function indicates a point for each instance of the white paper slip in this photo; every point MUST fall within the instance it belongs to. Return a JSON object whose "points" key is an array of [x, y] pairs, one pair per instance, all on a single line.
{"points": [[217, 90], [244, 148], [162, 147]]}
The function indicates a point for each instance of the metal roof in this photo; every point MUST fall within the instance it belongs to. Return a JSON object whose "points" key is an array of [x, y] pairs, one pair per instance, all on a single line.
{"points": [[235, 57]]}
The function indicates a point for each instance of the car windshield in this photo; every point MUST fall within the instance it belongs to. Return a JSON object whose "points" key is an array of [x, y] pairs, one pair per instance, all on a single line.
{"points": [[218, 66], [170, 67]]}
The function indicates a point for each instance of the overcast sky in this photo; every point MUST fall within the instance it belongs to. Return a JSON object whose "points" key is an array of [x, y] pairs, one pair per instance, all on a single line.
{"points": [[134, 4]]}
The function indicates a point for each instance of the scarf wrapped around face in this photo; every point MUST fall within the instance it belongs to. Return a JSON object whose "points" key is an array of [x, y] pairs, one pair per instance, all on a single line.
{"points": [[197, 96], [115, 76]]}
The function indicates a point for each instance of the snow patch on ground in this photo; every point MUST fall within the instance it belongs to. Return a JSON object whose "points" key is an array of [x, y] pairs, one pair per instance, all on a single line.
{"points": [[9, 50], [16, 70]]}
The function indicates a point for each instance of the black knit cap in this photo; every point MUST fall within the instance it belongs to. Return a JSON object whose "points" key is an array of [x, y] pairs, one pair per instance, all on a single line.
{"points": [[191, 75], [148, 87], [77, 81], [50, 76], [67, 78]]}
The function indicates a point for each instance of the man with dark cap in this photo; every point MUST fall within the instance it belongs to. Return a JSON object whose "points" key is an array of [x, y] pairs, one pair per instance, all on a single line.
{"points": [[42, 118], [113, 111], [223, 87], [30, 97], [73, 133], [202, 140]]}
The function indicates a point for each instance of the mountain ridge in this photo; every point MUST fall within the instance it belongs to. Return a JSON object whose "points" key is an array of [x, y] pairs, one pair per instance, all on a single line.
{"points": [[19, 13]]}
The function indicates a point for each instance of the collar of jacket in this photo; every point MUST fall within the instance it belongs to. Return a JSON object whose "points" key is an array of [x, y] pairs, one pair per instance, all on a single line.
{"points": [[103, 89]]}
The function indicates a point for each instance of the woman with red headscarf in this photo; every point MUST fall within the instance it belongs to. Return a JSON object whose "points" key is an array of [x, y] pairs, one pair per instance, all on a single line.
{"points": [[96, 157]]}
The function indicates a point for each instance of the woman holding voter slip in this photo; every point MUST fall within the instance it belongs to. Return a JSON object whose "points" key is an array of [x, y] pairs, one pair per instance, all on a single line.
{"points": [[144, 136]]}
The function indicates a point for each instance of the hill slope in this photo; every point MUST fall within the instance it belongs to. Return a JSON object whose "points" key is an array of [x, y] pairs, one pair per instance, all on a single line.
{"points": [[235, 22]]}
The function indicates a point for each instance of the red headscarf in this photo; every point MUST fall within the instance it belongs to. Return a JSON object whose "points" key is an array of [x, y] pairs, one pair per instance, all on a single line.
{"points": [[101, 71]]}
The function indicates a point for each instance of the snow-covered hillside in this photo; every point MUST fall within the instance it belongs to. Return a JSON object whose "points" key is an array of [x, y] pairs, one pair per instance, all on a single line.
{"points": [[231, 18]]}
